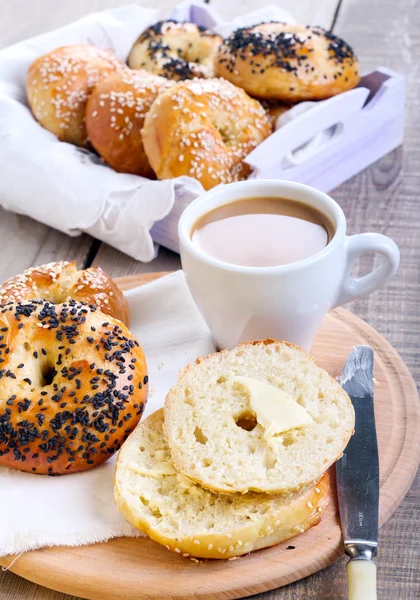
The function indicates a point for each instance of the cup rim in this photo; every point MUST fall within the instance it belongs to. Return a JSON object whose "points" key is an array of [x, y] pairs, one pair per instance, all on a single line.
{"points": [[188, 218]]}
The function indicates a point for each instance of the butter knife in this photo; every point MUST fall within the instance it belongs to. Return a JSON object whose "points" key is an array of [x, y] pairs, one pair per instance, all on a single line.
{"points": [[358, 479]]}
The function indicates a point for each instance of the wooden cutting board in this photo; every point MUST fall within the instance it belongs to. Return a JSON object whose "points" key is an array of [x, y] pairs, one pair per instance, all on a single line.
{"points": [[140, 569]]}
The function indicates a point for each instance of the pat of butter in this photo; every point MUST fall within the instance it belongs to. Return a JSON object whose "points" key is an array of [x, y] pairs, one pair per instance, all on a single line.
{"points": [[275, 410]]}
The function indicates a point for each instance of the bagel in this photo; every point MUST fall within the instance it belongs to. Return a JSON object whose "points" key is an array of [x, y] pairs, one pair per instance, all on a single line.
{"points": [[219, 441], [115, 115], [176, 50], [287, 62], [61, 281], [59, 84], [203, 128], [73, 386], [192, 521]]}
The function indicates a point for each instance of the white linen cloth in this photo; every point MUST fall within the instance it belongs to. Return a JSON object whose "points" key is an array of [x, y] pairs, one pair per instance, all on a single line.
{"points": [[38, 511], [69, 188]]}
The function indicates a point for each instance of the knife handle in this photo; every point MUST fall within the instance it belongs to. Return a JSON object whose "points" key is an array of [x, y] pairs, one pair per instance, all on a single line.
{"points": [[361, 578]]}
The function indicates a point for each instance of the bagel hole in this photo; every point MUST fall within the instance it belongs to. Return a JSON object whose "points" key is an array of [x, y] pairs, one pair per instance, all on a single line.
{"points": [[247, 420], [48, 373], [199, 436]]}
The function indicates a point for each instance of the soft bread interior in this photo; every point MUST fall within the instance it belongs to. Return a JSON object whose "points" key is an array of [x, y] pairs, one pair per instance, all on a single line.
{"points": [[216, 440]]}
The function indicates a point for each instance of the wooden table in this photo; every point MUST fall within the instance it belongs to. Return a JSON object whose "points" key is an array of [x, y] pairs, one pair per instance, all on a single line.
{"points": [[384, 198]]}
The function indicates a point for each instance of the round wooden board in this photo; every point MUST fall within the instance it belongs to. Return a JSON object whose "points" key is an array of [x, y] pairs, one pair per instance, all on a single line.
{"points": [[138, 568]]}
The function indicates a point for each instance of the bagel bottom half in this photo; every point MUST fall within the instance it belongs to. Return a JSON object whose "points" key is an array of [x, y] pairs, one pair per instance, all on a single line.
{"points": [[157, 499]]}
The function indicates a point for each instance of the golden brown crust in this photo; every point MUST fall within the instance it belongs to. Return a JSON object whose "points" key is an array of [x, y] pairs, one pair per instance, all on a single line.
{"points": [[204, 128], [57, 282], [73, 383], [58, 86], [176, 50], [287, 62], [115, 116]]}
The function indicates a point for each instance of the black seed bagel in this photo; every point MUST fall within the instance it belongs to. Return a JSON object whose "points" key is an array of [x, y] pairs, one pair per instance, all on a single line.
{"points": [[287, 62], [176, 50], [73, 385]]}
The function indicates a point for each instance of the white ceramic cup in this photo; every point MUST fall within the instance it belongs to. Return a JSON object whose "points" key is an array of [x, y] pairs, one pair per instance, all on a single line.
{"points": [[287, 302]]}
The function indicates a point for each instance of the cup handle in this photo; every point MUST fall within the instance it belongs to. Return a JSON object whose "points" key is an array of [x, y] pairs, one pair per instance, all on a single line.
{"points": [[355, 246]]}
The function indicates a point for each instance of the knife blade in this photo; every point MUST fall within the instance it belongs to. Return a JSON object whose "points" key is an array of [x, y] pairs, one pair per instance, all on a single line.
{"points": [[358, 477]]}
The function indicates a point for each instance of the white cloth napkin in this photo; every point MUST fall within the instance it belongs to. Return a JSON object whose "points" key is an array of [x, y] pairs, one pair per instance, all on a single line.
{"points": [[69, 188], [38, 511]]}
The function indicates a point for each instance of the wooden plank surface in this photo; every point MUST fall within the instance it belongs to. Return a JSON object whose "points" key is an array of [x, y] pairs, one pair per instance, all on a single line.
{"points": [[384, 198]]}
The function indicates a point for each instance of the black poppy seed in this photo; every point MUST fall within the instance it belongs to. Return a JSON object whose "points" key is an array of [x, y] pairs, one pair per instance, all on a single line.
{"points": [[20, 325], [35, 354], [20, 366]]}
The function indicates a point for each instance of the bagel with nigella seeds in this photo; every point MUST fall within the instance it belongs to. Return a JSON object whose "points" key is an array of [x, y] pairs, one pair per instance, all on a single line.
{"points": [[73, 385], [115, 116], [287, 62], [204, 128], [59, 84], [60, 281], [176, 50]]}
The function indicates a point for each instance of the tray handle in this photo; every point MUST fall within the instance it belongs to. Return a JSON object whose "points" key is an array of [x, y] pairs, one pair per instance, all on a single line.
{"points": [[308, 134]]}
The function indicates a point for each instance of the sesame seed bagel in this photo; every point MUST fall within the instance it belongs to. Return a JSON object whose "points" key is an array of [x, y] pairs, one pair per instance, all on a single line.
{"points": [[115, 116], [176, 50], [73, 386], [59, 84], [154, 497], [61, 281], [203, 128], [217, 440], [287, 62]]}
